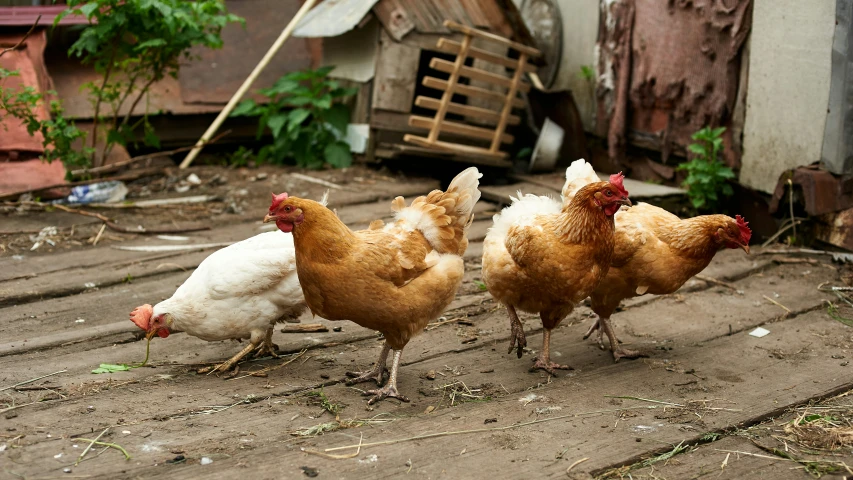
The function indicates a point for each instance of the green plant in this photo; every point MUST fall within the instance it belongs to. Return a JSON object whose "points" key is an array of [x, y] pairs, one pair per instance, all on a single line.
{"points": [[327, 405], [587, 73], [306, 119], [58, 133], [707, 177], [134, 43]]}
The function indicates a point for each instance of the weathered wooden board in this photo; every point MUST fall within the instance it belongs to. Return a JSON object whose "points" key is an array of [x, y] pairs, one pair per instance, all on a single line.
{"points": [[396, 73]]}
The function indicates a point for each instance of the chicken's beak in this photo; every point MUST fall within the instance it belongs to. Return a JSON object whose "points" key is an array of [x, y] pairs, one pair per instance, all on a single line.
{"points": [[150, 334], [269, 218], [745, 248], [624, 201]]}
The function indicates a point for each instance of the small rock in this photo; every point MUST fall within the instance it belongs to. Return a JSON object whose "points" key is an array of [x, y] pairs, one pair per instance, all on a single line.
{"points": [[182, 188], [337, 329], [11, 415], [66, 470], [206, 461], [193, 179], [177, 459], [490, 420], [638, 439], [261, 176], [324, 376], [310, 472], [488, 370], [838, 357], [430, 375], [844, 364]]}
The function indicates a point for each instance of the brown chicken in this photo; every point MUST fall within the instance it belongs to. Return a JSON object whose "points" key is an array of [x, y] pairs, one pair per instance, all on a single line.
{"points": [[544, 257], [656, 252], [393, 279]]}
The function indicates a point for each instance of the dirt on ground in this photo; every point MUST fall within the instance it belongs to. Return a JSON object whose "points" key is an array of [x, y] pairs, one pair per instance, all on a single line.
{"points": [[710, 389]]}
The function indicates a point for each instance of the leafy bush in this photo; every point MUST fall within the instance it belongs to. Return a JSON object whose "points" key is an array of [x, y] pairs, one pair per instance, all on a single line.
{"points": [[707, 177], [307, 125], [58, 132], [134, 43]]}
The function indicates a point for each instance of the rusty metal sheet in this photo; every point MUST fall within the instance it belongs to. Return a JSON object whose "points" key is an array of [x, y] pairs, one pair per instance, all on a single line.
{"points": [[332, 18], [399, 17], [217, 74], [681, 62], [26, 16], [28, 59]]}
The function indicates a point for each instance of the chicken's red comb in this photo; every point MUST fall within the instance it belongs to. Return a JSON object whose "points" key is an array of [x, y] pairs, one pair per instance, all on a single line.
{"points": [[141, 316], [616, 181], [277, 199], [745, 232]]}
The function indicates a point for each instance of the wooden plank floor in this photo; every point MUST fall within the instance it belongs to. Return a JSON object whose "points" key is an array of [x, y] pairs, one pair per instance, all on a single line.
{"points": [[503, 421]]}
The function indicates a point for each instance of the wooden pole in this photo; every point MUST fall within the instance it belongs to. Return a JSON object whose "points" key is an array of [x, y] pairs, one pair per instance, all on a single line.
{"points": [[510, 95], [448, 94], [211, 130]]}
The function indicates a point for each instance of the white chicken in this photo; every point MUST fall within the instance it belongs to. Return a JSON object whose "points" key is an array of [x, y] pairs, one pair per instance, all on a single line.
{"points": [[238, 292]]}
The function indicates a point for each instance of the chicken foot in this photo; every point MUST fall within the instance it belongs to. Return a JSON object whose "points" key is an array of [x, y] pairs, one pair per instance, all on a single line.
{"points": [[267, 348], [604, 326], [222, 367], [597, 326], [376, 373], [517, 332], [543, 361], [390, 388]]}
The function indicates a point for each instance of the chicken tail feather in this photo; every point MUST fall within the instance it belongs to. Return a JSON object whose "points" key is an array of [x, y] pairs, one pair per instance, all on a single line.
{"points": [[578, 175], [443, 217]]}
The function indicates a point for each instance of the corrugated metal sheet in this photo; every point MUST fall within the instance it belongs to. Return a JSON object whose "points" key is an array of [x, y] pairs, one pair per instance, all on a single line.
{"points": [[332, 18], [26, 16]]}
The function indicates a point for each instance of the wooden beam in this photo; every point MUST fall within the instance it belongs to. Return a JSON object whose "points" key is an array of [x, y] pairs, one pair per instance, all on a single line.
{"points": [[458, 128], [468, 91], [514, 85], [449, 46], [476, 74], [454, 147], [455, 69], [530, 51], [466, 110]]}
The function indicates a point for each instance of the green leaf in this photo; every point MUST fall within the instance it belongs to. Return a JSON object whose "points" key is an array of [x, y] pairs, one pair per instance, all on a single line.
{"points": [[338, 154], [338, 117], [324, 102], [154, 42], [244, 108], [697, 149], [717, 131], [88, 9], [296, 117], [276, 123], [111, 368]]}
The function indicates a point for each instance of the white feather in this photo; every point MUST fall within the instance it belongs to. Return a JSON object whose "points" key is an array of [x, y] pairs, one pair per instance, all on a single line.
{"points": [[239, 291], [579, 174], [522, 212]]}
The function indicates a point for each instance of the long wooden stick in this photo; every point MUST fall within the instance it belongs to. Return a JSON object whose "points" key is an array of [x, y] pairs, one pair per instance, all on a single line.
{"points": [[448, 94], [285, 34], [513, 89]]}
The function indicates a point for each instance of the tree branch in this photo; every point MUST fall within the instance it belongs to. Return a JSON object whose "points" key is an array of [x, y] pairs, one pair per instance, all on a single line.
{"points": [[18, 45]]}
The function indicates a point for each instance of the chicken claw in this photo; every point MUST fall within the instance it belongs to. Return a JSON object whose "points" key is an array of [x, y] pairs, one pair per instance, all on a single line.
{"points": [[548, 366], [267, 348], [597, 326], [388, 391], [620, 352], [517, 332], [376, 373], [616, 349]]}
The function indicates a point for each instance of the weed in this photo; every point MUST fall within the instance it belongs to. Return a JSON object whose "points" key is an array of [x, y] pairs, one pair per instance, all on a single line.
{"points": [[480, 285], [707, 178], [306, 123], [325, 403]]}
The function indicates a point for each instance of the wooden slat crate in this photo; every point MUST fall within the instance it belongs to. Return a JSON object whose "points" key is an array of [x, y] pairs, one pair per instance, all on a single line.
{"points": [[501, 119]]}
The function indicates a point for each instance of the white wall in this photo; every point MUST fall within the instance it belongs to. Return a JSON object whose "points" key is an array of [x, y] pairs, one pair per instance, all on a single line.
{"points": [[788, 92]]}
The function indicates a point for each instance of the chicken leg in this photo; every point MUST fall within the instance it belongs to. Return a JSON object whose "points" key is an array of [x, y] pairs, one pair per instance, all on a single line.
{"points": [[375, 373], [543, 361], [267, 348], [390, 388], [517, 332], [604, 327], [233, 360]]}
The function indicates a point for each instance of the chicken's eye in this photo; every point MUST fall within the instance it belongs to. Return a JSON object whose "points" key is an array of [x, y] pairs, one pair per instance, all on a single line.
{"points": [[608, 193], [287, 208]]}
